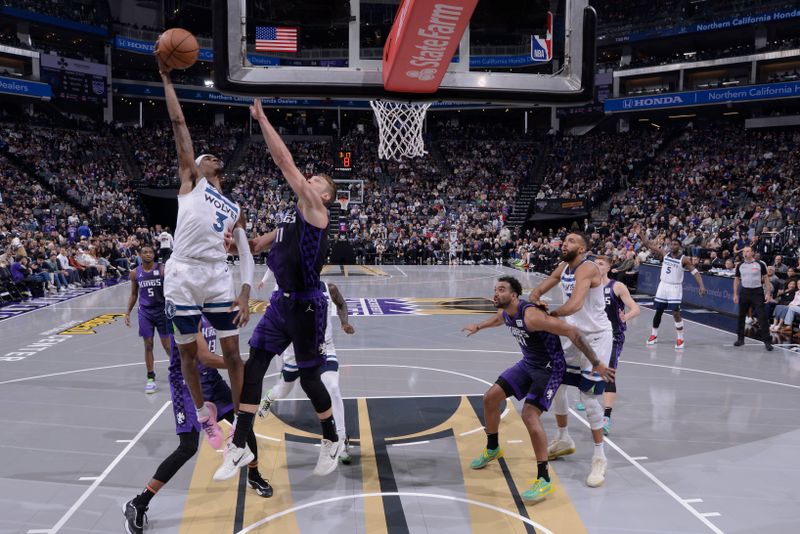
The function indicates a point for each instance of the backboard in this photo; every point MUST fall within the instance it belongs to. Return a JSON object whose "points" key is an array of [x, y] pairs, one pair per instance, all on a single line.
{"points": [[512, 52]]}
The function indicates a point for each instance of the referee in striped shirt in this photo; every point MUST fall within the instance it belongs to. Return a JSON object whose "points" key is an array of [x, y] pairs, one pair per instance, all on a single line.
{"points": [[751, 289]]}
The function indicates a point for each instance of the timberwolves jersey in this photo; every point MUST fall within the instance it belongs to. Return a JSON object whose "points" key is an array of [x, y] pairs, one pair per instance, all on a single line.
{"points": [[540, 348], [614, 306], [204, 215], [298, 253], [672, 270], [151, 288], [591, 317]]}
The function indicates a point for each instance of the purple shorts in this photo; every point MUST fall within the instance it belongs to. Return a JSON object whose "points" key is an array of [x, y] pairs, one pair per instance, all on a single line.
{"points": [[299, 322], [616, 351], [183, 408], [150, 321], [536, 384]]}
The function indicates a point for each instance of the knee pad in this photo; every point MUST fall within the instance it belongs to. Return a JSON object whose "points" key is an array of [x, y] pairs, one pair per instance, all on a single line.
{"points": [[611, 387], [315, 390], [560, 402], [594, 412]]}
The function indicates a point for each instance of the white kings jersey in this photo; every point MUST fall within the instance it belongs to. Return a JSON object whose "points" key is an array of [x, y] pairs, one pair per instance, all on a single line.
{"points": [[672, 270], [591, 317], [204, 215]]}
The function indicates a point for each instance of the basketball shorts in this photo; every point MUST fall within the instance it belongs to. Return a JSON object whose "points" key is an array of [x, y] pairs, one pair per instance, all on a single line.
{"points": [[579, 370], [193, 287], [534, 383], [669, 296], [183, 408], [151, 321], [298, 322]]}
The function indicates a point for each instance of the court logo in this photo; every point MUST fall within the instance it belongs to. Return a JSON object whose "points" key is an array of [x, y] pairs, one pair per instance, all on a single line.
{"points": [[88, 327], [170, 309]]}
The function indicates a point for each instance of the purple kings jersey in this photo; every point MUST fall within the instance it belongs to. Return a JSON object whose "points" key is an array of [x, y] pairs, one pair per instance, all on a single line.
{"points": [[540, 348], [298, 253], [614, 306], [208, 375], [72, 234], [151, 288]]}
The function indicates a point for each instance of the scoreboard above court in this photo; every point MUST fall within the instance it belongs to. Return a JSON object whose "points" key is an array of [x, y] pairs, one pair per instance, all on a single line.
{"points": [[344, 160]]}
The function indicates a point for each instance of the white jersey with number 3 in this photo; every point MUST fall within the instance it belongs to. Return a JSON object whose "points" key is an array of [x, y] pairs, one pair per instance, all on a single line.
{"points": [[204, 215], [591, 317], [672, 270]]}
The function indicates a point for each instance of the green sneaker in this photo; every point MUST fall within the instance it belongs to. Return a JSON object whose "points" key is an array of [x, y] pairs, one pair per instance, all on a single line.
{"points": [[606, 425], [580, 407], [540, 489], [486, 456]]}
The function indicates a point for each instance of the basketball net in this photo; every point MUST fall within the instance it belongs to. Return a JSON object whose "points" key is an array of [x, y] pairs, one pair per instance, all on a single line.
{"points": [[400, 128], [343, 202]]}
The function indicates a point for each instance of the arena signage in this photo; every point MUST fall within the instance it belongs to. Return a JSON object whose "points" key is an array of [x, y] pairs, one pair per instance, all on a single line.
{"points": [[704, 97], [52, 21], [722, 24], [16, 86]]}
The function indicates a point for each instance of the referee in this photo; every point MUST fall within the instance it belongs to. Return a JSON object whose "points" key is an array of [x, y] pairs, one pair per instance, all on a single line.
{"points": [[752, 276]]}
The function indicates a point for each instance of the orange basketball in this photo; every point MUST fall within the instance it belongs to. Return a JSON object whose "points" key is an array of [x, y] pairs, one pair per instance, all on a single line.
{"points": [[177, 48]]}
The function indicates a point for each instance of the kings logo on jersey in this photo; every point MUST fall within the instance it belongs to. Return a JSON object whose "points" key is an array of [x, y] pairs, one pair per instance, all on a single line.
{"points": [[542, 48]]}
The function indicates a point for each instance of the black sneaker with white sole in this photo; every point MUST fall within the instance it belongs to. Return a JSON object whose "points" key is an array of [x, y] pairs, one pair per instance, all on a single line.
{"points": [[135, 517], [257, 482]]}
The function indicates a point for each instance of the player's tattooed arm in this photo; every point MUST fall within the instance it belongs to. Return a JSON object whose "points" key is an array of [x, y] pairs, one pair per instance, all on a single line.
{"points": [[187, 170], [341, 308], [496, 320], [642, 233]]}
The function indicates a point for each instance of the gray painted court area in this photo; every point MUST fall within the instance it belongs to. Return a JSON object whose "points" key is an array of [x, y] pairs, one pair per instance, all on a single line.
{"points": [[704, 440]]}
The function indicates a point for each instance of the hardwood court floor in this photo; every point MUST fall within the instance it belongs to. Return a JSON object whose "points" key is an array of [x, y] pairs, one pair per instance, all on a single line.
{"points": [[704, 440]]}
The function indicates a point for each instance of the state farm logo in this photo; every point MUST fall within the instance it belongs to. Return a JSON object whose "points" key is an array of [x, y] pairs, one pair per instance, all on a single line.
{"points": [[431, 41]]}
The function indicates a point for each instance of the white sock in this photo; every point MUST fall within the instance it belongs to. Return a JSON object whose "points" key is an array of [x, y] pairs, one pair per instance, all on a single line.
{"points": [[599, 451], [655, 331], [563, 434], [203, 414]]}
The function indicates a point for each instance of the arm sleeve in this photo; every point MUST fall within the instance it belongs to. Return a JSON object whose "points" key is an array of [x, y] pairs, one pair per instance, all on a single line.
{"points": [[246, 263]]}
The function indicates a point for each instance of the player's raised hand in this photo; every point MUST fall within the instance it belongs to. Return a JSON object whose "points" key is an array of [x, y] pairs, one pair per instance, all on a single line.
{"points": [[243, 315], [163, 68], [127, 320], [606, 373], [256, 111], [471, 329]]}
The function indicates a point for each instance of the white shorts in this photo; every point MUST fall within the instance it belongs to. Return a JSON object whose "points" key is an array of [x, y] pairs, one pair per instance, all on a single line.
{"points": [[602, 344], [669, 296], [195, 287]]}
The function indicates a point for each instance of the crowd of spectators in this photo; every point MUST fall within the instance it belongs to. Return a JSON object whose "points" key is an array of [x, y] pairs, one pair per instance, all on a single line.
{"points": [[87, 12]]}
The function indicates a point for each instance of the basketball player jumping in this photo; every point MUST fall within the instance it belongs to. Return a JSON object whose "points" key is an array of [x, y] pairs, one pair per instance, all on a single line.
{"points": [[329, 371], [617, 299], [297, 313], [197, 278], [147, 286], [536, 377], [188, 428], [584, 308], [670, 286]]}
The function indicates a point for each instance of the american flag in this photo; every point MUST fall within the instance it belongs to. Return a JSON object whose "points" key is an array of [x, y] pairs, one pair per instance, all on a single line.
{"points": [[272, 39]]}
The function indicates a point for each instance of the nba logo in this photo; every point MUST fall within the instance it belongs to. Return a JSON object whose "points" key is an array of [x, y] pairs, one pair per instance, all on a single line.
{"points": [[542, 49]]}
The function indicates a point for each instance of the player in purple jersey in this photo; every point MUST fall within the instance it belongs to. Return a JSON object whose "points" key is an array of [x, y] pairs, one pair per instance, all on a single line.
{"points": [[188, 428], [536, 377], [298, 311], [617, 299], [147, 286]]}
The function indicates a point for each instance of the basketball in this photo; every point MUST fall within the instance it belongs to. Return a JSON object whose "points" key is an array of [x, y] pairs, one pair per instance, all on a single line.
{"points": [[177, 48]]}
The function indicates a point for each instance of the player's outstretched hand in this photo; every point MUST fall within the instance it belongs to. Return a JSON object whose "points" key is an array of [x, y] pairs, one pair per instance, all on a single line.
{"points": [[127, 320], [243, 315], [348, 329], [163, 68], [605, 372], [260, 285], [256, 111], [470, 329]]}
